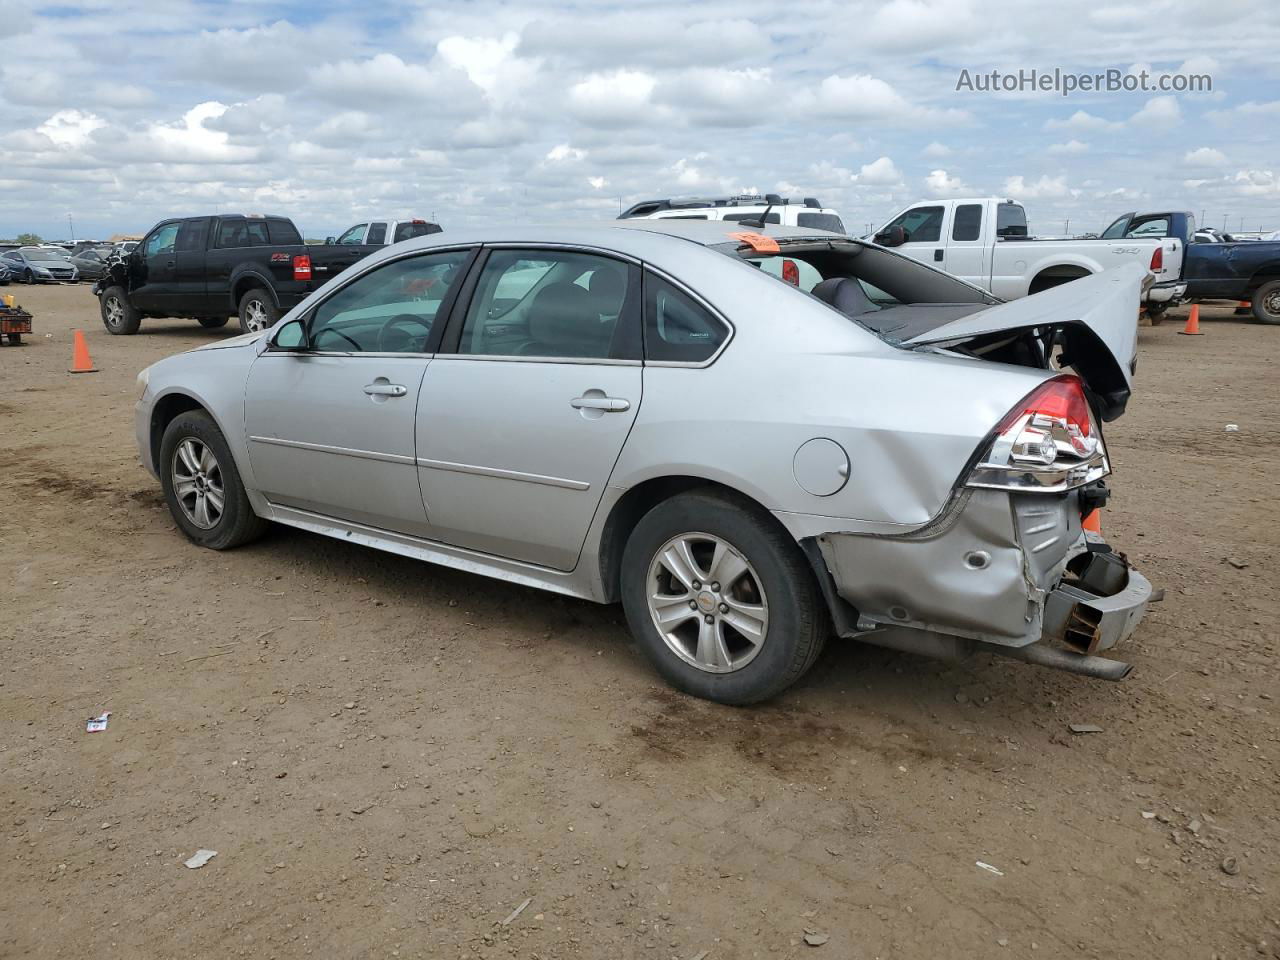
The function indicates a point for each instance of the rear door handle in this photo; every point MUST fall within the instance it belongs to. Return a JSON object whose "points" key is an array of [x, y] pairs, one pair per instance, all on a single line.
{"points": [[607, 404], [385, 390], [937, 255]]}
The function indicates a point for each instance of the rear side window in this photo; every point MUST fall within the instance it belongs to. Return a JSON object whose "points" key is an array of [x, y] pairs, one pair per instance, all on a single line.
{"points": [[1011, 220], [678, 329], [736, 217], [968, 222], [191, 235], [377, 233], [821, 221], [283, 233], [242, 233]]}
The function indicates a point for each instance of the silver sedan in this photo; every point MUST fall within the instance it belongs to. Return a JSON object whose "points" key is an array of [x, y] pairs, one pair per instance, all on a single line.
{"points": [[755, 439]]}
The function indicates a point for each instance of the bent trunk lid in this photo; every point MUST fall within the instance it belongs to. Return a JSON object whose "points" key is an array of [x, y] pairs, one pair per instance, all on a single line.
{"points": [[1095, 319]]}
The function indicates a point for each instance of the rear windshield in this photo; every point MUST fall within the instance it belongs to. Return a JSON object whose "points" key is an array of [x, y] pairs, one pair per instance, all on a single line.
{"points": [[407, 231], [821, 221]]}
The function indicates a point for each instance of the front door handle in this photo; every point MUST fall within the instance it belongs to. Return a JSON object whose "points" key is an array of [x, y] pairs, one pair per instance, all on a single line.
{"points": [[606, 404], [384, 389]]}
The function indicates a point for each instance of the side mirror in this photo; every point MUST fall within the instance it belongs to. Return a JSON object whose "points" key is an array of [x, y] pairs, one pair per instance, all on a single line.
{"points": [[291, 337], [892, 237], [330, 241]]}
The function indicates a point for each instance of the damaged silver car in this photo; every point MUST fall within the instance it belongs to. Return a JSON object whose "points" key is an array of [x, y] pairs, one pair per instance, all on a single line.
{"points": [[754, 437]]}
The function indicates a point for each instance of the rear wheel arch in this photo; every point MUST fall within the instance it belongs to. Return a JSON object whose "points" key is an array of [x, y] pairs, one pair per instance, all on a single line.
{"points": [[642, 498], [1263, 275], [250, 280], [1057, 275]]}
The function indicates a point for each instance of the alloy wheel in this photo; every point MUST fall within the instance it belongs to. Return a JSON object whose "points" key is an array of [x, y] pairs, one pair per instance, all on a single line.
{"points": [[255, 316], [115, 312], [707, 603], [197, 483]]}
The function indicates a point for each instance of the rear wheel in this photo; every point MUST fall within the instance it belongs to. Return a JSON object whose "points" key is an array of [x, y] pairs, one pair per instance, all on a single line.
{"points": [[202, 485], [257, 311], [118, 315], [720, 599], [15, 339], [212, 323], [1155, 311], [1266, 302]]}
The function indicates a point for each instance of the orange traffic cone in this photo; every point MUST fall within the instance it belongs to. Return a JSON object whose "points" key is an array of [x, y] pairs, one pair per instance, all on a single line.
{"points": [[1192, 328], [1093, 521], [80, 362]]}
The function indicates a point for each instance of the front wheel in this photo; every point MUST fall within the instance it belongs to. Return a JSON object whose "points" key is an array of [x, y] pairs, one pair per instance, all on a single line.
{"points": [[202, 485], [257, 312], [1266, 302], [28, 277], [118, 315], [212, 323], [720, 599]]}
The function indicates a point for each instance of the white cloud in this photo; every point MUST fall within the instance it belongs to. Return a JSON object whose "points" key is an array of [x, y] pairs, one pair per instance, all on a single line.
{"points": [[611, 99], [1044, 188], [562, 151], [491, 64], [941, 184], [597, 183], [1082, 122], [71, 128], [1070, 148], [936, 150], [1205, 157], [864, 97], [880, 172], [1158, 113]]}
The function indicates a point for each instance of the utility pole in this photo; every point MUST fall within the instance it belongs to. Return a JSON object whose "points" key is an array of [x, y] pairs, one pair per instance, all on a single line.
{"points": [[1224, 222], [72, 226], [1066, 226]]}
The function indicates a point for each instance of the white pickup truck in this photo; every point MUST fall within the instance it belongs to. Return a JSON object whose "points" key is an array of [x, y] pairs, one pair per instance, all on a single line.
{"points": [[383, 230], [985, 241]]}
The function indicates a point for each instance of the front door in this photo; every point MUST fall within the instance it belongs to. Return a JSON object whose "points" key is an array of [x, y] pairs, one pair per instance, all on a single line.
{"points": [[154, 273], [923, 228], [520, 425], [331, 430]]}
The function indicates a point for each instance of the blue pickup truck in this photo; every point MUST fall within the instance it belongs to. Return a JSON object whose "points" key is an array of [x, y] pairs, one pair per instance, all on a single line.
{"points": [[1237, 270]]}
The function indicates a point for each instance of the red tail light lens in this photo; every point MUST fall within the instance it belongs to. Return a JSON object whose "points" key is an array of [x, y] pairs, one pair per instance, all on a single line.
{"points": [[1048, 442], [791, 272], [1157, 260], [302, 267]]}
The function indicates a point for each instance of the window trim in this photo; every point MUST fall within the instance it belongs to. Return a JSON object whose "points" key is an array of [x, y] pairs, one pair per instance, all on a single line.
{"points": [[445, 313], [701, 301], [452, 340]]}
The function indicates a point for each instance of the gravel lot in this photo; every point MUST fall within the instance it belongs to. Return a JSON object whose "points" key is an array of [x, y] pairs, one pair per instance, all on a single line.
{"points": [[389, 758]]}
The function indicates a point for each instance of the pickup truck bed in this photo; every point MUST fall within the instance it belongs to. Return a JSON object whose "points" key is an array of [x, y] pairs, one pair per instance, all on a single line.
{"points": [[212, 268]]}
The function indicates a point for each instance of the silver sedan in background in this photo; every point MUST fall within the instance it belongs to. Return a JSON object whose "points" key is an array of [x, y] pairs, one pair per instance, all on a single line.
{"points": [[754, 438]]}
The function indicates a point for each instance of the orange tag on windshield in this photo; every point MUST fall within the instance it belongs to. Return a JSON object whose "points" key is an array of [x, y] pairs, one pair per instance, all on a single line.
{"points": [[757, 242]]}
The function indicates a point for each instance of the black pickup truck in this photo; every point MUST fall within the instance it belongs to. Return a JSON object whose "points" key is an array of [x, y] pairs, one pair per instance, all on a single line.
{"points": [[213, 268]]}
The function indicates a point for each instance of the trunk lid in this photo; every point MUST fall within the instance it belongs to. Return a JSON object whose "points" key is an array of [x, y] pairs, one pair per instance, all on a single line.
{"points": [[1094, 320]]}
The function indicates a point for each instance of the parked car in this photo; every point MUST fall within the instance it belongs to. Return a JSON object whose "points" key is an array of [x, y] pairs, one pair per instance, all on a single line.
{"points": [[37, 265], [211, 268], [984, 240], [667, 414], [1220, 269], [384, 230], [771, 207], [5, 275], [91, 263]]}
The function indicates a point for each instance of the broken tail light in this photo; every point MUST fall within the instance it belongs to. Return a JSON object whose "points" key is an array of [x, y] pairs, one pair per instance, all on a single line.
{"points": [[302, 267], [1049, 443], [791, 272]]}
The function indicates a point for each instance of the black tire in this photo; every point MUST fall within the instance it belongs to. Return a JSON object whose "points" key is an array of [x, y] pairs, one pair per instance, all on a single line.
{"points": [[1156, 312], [262, 300], [797, 620], [1266, 302], [15, 339], [28, 276], [122, 322], [237, 523], [212, 323]]}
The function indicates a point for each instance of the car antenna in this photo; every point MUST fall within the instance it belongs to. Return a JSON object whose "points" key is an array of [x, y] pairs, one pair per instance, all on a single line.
{"points": [[759, 221]]}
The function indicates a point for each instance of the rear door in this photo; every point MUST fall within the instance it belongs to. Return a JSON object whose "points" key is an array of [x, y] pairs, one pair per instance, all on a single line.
{"points": [[968, 253], [190, 291], [523, 415]]}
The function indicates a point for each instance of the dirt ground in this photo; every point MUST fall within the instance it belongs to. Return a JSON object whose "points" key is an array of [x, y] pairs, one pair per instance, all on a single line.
{"points": [[390, 758]]}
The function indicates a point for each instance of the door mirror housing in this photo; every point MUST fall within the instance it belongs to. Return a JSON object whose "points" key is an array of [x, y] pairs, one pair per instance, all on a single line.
{"points": [[291, 337], [330, 241], [893, 236]]}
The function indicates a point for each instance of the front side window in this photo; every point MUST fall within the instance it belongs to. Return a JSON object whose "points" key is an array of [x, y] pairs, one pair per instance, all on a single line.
{"points": [[548, 304], [678, 329], [377, 233], [968, 222], [921, 224], [1116, 230], [353, 237], [163, 240], [389, 310]]}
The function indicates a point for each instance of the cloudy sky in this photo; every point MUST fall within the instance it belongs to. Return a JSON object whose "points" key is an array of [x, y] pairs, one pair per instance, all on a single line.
{"points": [[120, 112]]}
